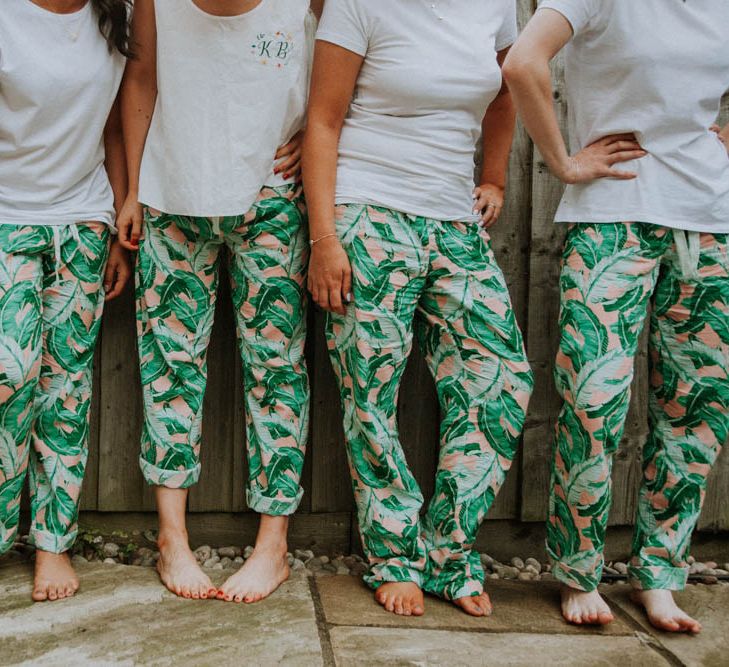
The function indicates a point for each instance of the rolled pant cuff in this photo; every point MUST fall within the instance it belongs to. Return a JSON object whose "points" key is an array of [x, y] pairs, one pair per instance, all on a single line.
{"points": [[52, 543], [454, 590], [171, 479], [580, 581], [651, 577], [273, 506], [387, 573]]}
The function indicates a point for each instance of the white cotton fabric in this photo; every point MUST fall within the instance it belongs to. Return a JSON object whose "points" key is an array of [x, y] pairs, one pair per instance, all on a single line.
{"points": [[409, 139], [58, 83], [231, 90], [657, 68]]}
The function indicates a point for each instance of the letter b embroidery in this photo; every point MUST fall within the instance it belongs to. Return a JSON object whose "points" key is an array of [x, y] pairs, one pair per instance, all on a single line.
{"points": [[273, 49]]}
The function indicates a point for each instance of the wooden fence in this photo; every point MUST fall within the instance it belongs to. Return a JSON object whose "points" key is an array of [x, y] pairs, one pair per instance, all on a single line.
{"points": [[528, 247]]}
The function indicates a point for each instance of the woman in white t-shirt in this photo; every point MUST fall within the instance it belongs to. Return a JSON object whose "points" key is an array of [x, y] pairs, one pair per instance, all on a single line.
{"points": [[62, 175], [216, 88], [401, 93], [644, 86]]}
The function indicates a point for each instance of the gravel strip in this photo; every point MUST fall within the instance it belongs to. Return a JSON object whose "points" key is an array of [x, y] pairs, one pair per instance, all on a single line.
{"points": [[125, 549]]}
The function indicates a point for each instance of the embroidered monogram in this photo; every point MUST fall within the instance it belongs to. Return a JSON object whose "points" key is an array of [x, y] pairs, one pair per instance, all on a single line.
{"points": [[274, 49]]}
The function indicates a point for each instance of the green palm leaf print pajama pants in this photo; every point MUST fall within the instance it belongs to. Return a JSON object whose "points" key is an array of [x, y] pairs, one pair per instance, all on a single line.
{"points": [[177, 280], [441, 280], [51, 301], [611, 274]]}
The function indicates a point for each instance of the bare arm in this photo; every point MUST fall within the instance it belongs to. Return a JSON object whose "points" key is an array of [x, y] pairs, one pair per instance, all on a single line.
{"points": [[497, 136], [332, 85], [138, 97], [527, 72], [316, 7], [118, 268]]}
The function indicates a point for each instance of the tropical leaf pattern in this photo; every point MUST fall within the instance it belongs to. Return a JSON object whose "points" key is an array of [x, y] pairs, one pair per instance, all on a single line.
{"points": [[611, 275], [177, 280], [441, 281], [51, 301]]}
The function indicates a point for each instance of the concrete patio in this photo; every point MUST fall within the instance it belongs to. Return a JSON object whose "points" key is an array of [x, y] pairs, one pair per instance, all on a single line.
{"points": [[122, 616]]}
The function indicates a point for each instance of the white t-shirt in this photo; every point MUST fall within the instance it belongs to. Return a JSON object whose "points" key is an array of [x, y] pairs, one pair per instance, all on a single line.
{"points": [[428, 76], [231, 90], [58, 83], [657, 68]]}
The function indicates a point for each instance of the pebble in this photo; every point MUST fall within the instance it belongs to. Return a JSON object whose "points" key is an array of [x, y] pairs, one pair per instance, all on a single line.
{"points": [[229, 552], [304, 554], [109, 561], [726, 567], [226, 562], [525, 576], [203, 553], [150, 535], [324, 559], [611, 570], [487, 561], [517, 562], [248, 552], [711, 565], [79, 560], [620, 568], [533, 562], [218, 566], [239, 560], [690, 560], [697, 568], [111, 550], [711, 580], [211, 562], [510, 572], [531, 570], [298, 564]]}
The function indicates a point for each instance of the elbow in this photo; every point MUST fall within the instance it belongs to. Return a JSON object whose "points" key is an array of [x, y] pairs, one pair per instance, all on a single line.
{"points": [[514, 69]]}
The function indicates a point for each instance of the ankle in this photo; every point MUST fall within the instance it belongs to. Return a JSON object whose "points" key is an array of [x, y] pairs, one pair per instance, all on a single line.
{"points": [[169, 537]]}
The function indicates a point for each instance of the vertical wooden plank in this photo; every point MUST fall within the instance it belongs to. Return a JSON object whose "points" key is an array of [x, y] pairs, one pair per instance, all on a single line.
{"points": [[240, 454], [121, 485], [542, 334], [214, 491]]}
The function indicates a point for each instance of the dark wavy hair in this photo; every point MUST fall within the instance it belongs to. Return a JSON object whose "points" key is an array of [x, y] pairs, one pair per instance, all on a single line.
{"points": [[114, 18]]}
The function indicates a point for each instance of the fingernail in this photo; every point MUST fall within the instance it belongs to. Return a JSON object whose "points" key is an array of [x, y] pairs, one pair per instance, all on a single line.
{"points": [[286, 175], [475, 211], [349, 297]]}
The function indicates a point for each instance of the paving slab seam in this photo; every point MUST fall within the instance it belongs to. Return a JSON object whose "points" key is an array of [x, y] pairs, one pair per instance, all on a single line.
{"points": [[322, 625], [651, 641], [481, 631]]}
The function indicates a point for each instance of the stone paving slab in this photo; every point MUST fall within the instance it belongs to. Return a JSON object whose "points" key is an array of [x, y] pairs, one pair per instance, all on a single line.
{"points": [[400, 646], [709, 605], [520, 606], [123, 616]]}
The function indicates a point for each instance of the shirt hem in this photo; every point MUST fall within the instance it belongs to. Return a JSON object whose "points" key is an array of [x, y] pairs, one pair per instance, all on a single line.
{"points": [[707, 228], [404, 208], [58, 221]]}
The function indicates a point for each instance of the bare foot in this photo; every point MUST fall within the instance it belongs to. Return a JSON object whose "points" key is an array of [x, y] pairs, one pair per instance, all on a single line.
{"points": [[401, 598], [664, 613], [55, 578], [179, 569], [265, 570], [581, 608], [476, 605]]}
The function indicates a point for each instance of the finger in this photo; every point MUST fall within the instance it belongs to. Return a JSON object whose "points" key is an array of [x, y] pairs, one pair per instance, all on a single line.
{"points": [[488, 216], [285, 150], [136, 232], [347, 287], [293, 170], [322, 299], [625, 156], [626, 136], [619, 146], [620, 175], [480, 203], [335, 299], [715, 128], [109, 276], [288, 165]]}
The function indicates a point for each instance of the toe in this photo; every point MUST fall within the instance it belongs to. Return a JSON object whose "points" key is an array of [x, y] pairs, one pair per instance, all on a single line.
{"points": [[398, 606], [418, 609], [52, 593], [605, 617], [40, 593], [238, 598]]}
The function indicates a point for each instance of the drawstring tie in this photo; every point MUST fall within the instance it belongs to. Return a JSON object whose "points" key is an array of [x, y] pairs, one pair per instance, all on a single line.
{"points": [[688, 248], [57, 247]]}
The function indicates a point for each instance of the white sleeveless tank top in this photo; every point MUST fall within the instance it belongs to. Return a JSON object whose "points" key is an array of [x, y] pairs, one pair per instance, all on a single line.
{"points": [[231, 90]]}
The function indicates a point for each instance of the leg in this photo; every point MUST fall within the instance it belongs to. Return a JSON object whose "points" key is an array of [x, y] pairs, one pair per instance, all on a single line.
{"points": [[269, 256], [689, 422], [73, 301], [369, 348], [473, 346], [177, 276], [20, 362], [608, 275]]}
